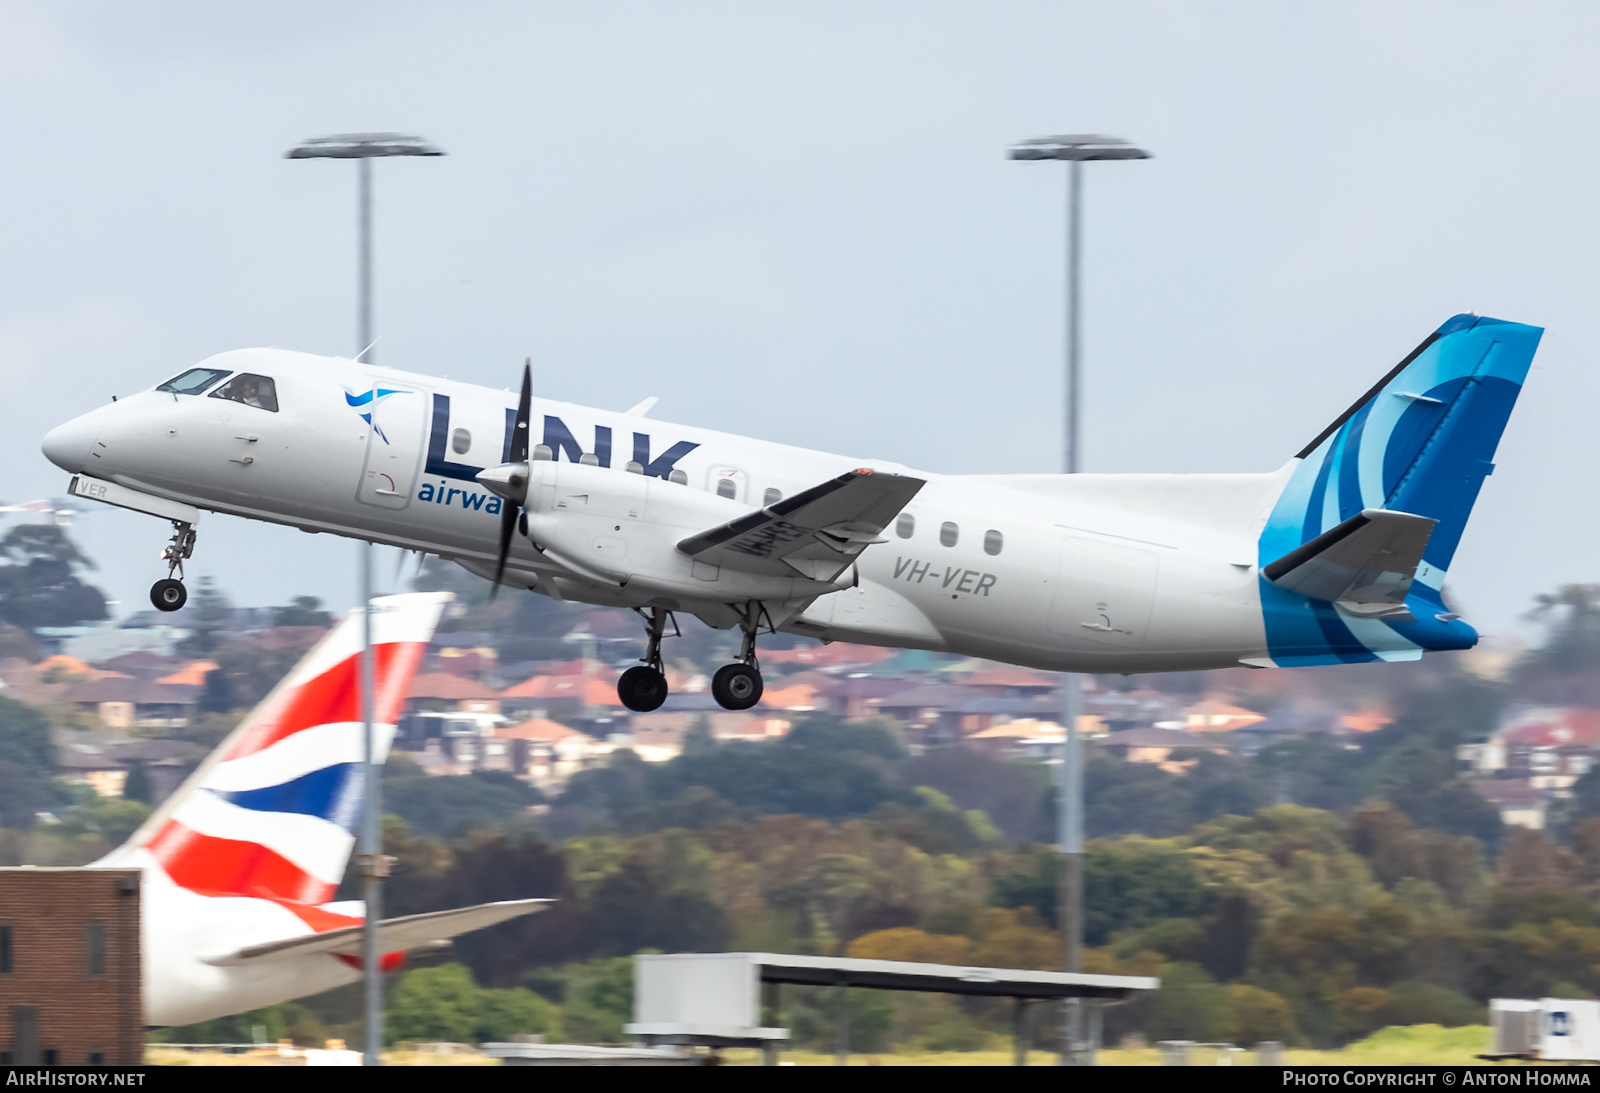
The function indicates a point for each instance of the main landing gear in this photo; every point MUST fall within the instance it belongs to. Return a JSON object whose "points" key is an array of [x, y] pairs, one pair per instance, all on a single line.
{"points": [[738, 686], [169, 594], [643, 687]]}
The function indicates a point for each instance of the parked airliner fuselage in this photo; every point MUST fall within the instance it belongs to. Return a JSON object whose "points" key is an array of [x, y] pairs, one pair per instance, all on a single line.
{"points": [[1090, 573]]}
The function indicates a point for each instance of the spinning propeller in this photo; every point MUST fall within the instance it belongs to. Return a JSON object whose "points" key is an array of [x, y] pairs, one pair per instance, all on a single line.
{"points": [[510, 479]]}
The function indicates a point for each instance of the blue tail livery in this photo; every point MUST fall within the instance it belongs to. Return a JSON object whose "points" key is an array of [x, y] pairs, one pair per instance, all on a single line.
{"points": [[1359, 542]]}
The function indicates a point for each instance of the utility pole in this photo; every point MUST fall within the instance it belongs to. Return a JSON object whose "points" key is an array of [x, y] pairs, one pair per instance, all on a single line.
{"points": [[1076, 151], [364, 148]]}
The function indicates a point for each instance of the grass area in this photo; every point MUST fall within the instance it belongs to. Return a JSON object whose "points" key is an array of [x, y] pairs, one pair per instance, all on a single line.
{"points": [[1413, 1045], [156, 1055]]}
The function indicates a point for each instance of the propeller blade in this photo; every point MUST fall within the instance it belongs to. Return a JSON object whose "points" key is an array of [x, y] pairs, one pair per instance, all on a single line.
{"points": [[519, 435], [508, 526], [519, 454]]}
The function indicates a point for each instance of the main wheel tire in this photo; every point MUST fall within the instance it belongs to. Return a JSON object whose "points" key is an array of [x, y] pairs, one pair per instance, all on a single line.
{"points": [[642, 689], [168, 595], [736, 686]]}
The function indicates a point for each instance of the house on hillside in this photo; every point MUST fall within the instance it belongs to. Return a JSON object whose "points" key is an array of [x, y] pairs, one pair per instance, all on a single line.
{"points": [[590, 688], [26, 683], [1550, 747], [1023, 736], [440, 691], [1157, 745], [1520, 803], [659, 736], [547, 753], [123, 703], [1211, 714], [102, 762]]}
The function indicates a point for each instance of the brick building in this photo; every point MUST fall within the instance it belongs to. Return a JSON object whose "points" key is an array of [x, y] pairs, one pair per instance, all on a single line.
{"points": [[70, 973]]}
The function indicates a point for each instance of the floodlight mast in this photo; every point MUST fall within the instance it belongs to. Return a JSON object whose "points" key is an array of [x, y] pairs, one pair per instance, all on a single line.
{"points": [[1075, 150], [366, 147]]}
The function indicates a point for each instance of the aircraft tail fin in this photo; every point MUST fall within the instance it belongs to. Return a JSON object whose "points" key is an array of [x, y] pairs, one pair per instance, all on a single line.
{"points": [[271, 813], [1421, 442]]}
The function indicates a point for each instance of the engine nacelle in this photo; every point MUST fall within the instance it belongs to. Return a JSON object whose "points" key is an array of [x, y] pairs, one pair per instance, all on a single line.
{"points": [[623, 528]]}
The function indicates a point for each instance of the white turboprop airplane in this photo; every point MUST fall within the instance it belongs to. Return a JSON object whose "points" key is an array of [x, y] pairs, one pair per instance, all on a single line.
{"points": [[1336, 557], [239, 865]]}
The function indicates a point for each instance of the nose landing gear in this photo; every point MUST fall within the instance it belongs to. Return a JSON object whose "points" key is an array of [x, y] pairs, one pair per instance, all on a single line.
{"points": [[169, 594], [738, 686], [643, 687]]}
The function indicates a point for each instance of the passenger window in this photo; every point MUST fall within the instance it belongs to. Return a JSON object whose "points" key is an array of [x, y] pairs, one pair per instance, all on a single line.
{"points": [[726, 488], [906, 526], [678, 476], [194, 381], [771, 497], [949, 533], [252, 390], [460, 441], [993, 542]]}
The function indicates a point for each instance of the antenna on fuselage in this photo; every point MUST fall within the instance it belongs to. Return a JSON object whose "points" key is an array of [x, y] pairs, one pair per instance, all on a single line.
{"points": [[367, 350]]}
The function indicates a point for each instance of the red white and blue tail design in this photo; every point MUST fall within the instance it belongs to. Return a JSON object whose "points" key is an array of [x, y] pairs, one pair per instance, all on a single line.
{"points": [[272, 813], [251, 847]]}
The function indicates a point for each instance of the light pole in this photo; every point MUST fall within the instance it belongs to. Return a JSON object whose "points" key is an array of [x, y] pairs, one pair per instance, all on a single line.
{"points": [[365, 147], [1076, 151]]}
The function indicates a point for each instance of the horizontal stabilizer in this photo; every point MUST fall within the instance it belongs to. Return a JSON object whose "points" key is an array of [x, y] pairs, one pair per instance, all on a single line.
{"points": [[394, 934], [816, 533], [1366, 564]]}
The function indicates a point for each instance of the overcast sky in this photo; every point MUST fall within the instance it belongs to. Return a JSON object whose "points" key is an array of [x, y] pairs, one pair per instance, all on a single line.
{"points": [[796, 220]]}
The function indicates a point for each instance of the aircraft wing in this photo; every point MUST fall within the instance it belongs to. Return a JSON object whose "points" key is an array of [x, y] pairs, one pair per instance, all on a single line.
{"points": [[394, 934], [816, 533], [1365, 564]]}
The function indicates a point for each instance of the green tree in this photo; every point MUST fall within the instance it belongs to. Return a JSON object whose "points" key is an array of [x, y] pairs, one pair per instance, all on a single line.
{"points": [[208, 618], [1254, 1015], [1571, 617], [454, 805], [137, 787], [440, 1003], [111, 818], [25, 737], [24, 792], [39, 582], [302, 611], [517, 1011], [1189, 1005], [599, 1000]]}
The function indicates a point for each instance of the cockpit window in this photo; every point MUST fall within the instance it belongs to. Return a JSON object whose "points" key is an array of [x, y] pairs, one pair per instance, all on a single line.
{"points": [[194, 381], [252, 390]]}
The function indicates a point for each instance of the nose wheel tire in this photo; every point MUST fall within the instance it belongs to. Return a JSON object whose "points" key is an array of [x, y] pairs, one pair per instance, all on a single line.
{"points": [[642, 689], [168, 594], [736, 686]]}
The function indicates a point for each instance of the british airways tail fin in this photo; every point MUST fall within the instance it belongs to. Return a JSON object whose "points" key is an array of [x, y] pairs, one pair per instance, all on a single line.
{"points": [[1419, 443], [271, 814]]}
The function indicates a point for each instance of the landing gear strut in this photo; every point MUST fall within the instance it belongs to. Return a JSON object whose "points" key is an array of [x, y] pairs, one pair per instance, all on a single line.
{"points": [[643, 687], [169, 594], [738, 686]]}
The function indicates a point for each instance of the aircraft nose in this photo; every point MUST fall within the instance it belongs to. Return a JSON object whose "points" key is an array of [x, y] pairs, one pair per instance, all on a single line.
{"points": [[68, 445]]}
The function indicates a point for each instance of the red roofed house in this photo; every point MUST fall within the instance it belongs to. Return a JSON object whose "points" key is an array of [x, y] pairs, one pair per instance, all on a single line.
{"points": [[1551, 747], [439, 690], [566, 693], [1214, 715], [547, 752], [838, 654]]}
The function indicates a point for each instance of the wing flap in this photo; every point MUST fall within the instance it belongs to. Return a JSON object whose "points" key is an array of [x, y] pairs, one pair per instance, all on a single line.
{"points": [[1366, 564], [394, 934], [816, 533]]}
